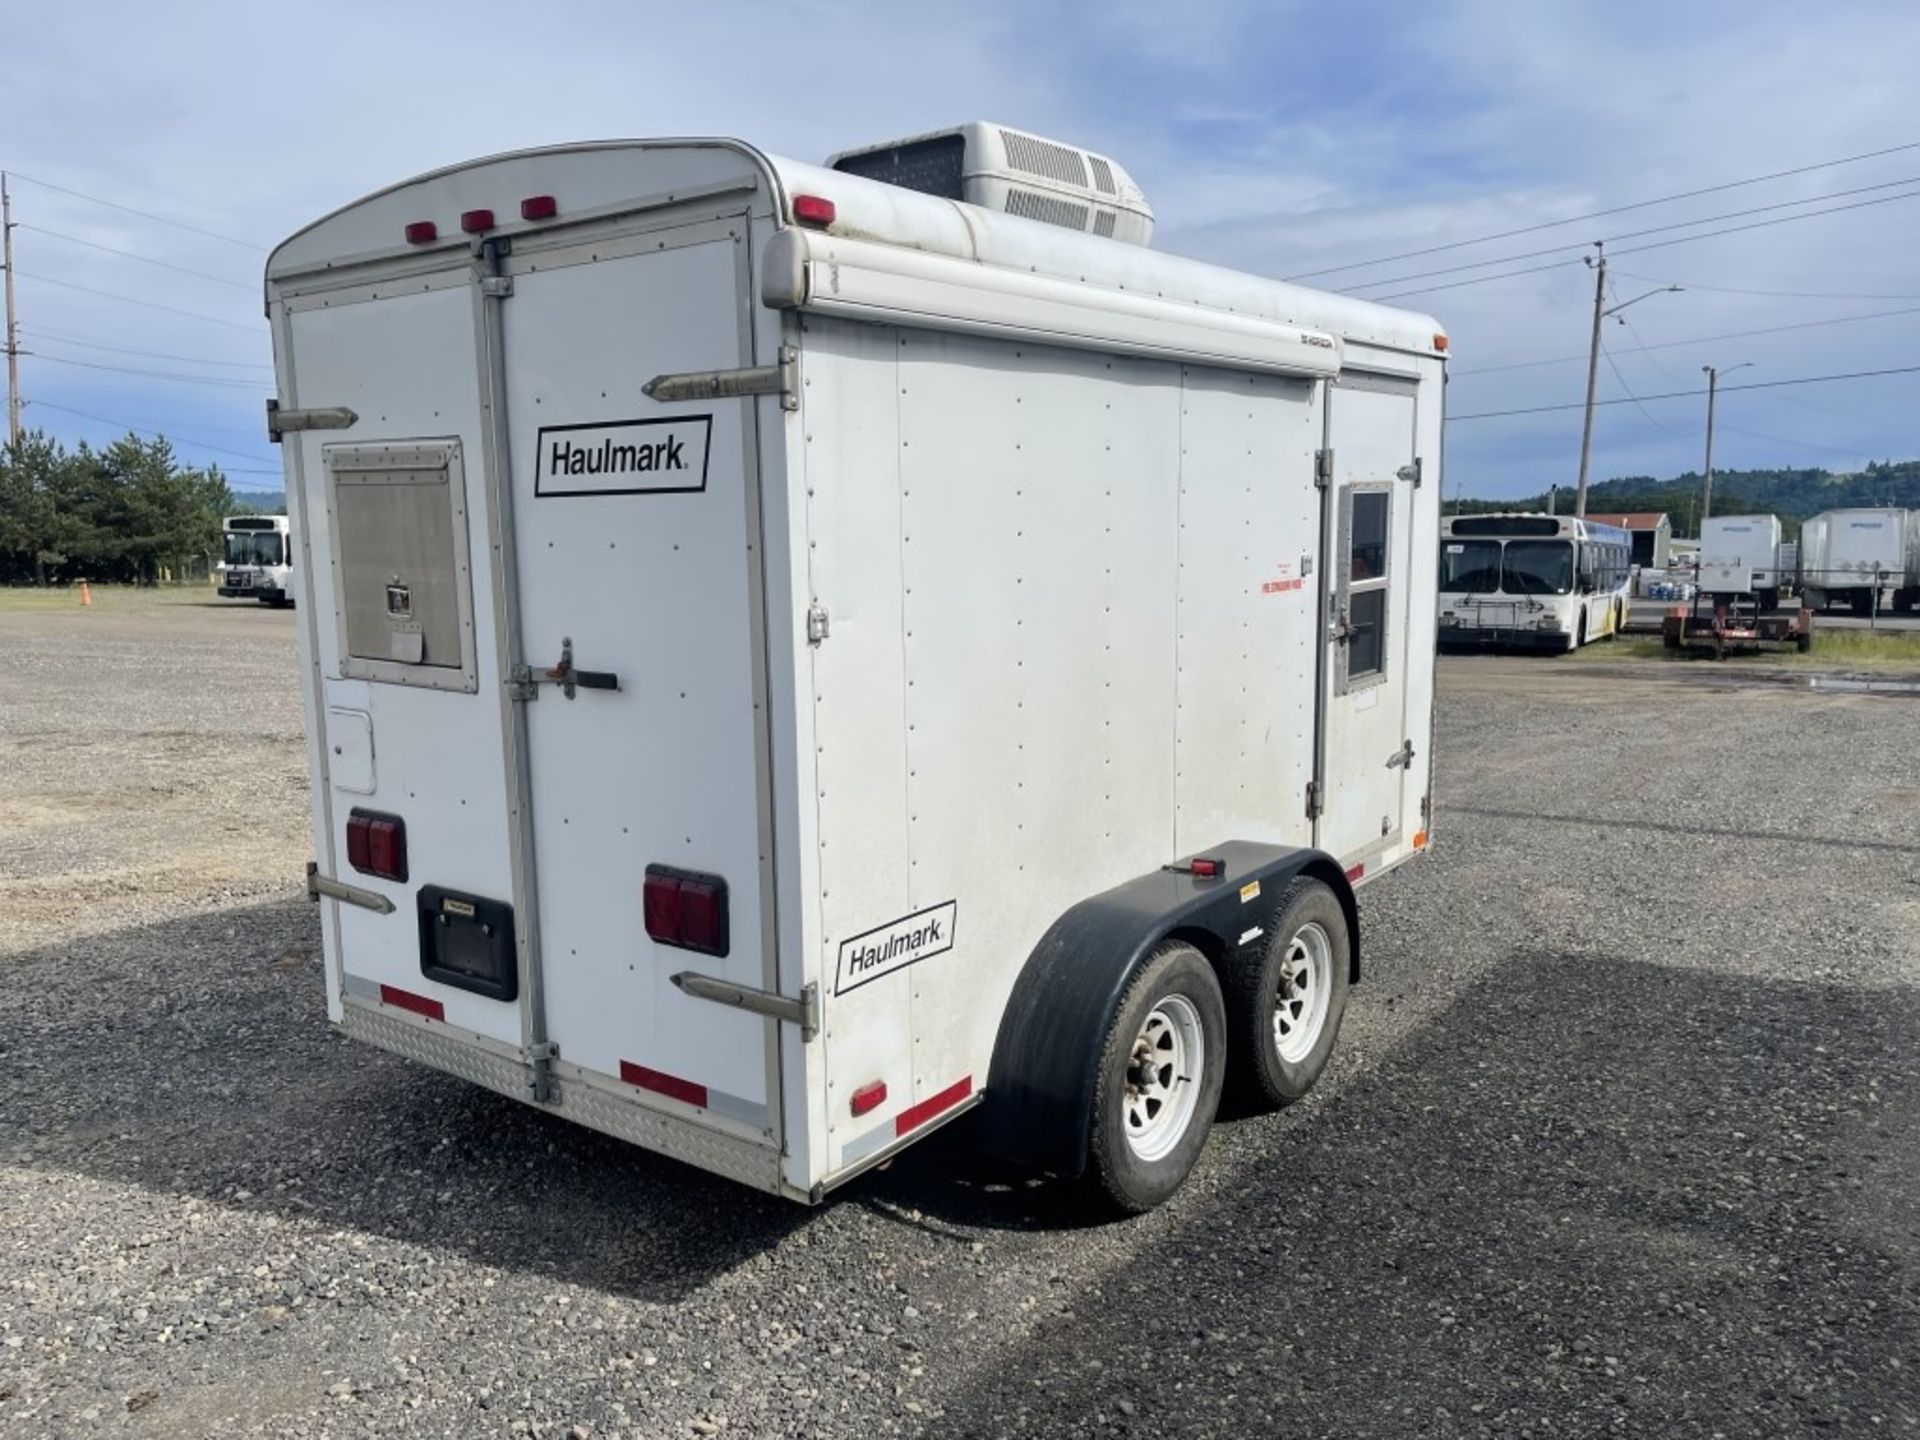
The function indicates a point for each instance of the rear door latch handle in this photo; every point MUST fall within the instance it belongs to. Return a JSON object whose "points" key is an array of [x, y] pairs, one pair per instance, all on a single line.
{"points": [[564, 675]]}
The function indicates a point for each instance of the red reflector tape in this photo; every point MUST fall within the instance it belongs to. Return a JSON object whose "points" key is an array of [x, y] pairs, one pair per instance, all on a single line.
{"points": [[663, 1084], [406, 1000], [1356, 872], [869, 1097], [914, 1116]]}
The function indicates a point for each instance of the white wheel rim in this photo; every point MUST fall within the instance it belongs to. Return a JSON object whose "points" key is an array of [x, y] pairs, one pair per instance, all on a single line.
{"points": [[1163, 1077], [1300, 999]]}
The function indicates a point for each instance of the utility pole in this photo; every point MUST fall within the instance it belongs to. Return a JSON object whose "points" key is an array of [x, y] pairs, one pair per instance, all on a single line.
{"points": [[1706, 482], [1593, 371], [13, 332]]}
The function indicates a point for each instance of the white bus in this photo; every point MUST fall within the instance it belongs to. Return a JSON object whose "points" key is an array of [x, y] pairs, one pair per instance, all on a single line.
{"points": [[258, 559], [1549, 582]]}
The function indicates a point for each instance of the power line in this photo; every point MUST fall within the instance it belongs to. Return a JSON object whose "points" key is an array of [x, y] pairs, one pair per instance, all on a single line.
{"points": [[1680, 344], [1663, 244], [134, 255], [1645, 413], [151, 434], [1770, 294], [1640, 234], [143, 214], [130, 300], [1684, 394], [218, 382], [1612, 210], [66, 338]]}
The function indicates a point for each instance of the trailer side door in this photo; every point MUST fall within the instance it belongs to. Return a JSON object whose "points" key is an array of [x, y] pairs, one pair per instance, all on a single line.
{"points": [[1370, 430]]}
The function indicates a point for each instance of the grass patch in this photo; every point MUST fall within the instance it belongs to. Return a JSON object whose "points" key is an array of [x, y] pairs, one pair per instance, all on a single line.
{"points": [[33, 599]]}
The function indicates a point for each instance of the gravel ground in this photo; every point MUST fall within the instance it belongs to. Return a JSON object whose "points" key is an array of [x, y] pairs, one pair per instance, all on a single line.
{"points": [[1621, 1139]]}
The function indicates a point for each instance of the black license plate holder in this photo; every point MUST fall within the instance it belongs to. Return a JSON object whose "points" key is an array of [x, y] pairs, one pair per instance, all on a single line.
{"points": [[466, 941]]}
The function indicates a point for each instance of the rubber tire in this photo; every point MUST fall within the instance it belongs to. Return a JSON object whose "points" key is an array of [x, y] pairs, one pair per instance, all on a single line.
{"points": [[1257, 1077], [1903, 601], [1579, 636], [1863, 605], [1769, 601], [1118, 1179]]}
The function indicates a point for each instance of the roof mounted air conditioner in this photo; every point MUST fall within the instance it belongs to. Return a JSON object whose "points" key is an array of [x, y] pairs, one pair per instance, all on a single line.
{"points": [[998, 168]]}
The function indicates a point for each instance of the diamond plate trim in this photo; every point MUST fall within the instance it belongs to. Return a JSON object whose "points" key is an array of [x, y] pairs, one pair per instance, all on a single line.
{"points": [[437, 1048], [747, 1161]]}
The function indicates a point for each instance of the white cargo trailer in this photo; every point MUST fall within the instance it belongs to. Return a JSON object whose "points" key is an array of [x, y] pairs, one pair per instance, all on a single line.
{"points": [[792, 658], [1740, 555], [1854, 557]]}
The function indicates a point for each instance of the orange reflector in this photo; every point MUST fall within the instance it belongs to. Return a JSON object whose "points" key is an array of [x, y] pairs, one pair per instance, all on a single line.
{"points": [[869, 1097], [915, 1116], [1419, 839], [1440, 342]]}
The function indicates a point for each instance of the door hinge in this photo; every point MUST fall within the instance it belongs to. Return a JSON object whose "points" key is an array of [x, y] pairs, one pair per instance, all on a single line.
{"points": [[1410, 472], [1313, 800], [774, 379], [496, 287], [540, 1058], [804, 1012], [1323, 467], [818, 626], [319, 886], [325, 417], [1402, 756]]}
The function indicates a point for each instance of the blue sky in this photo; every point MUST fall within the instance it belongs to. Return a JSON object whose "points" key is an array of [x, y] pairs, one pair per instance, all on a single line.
{"points": [[1278, 138]]}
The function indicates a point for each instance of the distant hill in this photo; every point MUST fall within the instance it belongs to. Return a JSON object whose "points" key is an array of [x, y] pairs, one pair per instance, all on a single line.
{"points": [[1793, 495]]}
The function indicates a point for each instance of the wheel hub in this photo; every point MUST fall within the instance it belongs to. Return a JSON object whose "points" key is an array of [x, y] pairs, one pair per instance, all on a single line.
{"points": [[1162, 1077]]}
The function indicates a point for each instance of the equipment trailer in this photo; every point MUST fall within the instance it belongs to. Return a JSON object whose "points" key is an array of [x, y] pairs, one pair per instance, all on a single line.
{"points": [[796, 654]]}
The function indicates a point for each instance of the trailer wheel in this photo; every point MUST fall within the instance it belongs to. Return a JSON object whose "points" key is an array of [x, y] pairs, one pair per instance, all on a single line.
{"points": [[1285, 1003], [1863, 603], [1159, 1080]]}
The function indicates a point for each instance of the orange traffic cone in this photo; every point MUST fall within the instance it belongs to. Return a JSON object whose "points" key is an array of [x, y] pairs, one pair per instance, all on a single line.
{"points": [[86, 595]]}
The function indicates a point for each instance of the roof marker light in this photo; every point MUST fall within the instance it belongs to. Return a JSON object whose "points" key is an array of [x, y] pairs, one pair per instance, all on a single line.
{"points": [[539, 207], [475, 221], [1440, 343], [813, 210], [422, 232]]}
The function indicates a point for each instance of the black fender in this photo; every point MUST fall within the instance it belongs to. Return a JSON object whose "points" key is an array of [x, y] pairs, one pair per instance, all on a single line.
{"points": [[1039, 1097]]}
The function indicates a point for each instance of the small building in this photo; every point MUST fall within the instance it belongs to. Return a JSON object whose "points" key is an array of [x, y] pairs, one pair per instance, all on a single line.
{"points": [[1652, 535]]}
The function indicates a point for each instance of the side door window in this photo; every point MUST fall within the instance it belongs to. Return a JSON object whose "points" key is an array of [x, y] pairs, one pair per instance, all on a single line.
{"points": [[1366, 523]]}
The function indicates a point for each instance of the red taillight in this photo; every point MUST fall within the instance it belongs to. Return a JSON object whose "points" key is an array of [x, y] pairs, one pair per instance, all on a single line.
{"points": [[686, 909], [869, 1097], [422, 232], [813, 210], [539, 207], [377, 844], [474, 221]]}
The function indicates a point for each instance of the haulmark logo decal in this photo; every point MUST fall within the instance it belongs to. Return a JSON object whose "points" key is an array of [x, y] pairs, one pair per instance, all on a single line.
{"points": [[624, 457], [894, 946]]}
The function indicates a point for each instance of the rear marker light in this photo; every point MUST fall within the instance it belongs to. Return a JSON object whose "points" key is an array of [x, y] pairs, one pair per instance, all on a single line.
{"points": [[474, 221], [686, 909], [377, 844], [869, 1097], [1356, 872], [662, 1083], [1208, 869], [813, 210], [1419, 839], [539, 207], [1440, 342], [914, 1116], [406, 1000], [422, 232]]}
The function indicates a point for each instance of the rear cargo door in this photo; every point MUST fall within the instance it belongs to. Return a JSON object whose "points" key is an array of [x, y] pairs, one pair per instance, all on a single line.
{"points": [[1370, 429], [394, 536], [638, 563]]}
